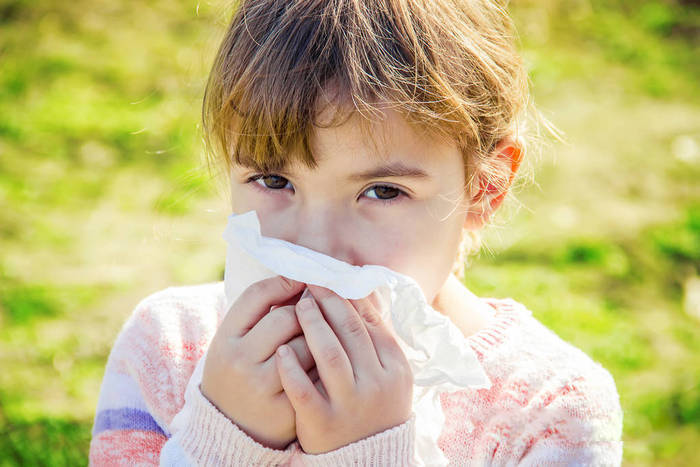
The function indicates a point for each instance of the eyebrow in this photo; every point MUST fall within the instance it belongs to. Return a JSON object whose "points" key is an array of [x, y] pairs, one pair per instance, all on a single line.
{"points": [[395, 169]]}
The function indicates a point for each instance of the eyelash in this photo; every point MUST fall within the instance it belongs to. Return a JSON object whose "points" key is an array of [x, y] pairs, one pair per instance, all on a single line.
{"points": [[384, 202]]}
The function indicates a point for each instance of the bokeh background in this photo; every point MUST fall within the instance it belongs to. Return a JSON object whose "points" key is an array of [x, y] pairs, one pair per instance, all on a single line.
{"points": [[104, 199]]}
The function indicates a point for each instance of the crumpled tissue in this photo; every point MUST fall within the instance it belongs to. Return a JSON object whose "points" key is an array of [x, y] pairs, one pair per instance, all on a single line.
{"points": [[440, 357]]}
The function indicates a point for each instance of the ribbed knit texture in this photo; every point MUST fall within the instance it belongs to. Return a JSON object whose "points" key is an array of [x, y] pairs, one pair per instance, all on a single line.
{"points": [[212, 439], [549, 403]]}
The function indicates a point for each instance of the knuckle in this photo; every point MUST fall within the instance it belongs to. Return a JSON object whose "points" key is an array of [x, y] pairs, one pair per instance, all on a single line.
{"points": [[303, 395], [369, 314], [332, 356], [353, 326]]}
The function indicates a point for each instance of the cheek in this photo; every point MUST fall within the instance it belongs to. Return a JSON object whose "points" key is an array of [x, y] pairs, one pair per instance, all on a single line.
{"points": [[245, 198], [388, 246], [276, 223], [240, 199], [425, 249], [416, 243]]}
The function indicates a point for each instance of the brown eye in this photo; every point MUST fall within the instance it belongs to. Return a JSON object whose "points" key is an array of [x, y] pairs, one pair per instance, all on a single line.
{"points": [[383, 192], [274, 182]]}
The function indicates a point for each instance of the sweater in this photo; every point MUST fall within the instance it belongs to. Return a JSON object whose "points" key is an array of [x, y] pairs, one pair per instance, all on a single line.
{"points": [[548, 404]]}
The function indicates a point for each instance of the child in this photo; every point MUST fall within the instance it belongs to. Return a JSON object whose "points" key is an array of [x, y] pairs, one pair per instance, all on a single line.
{"points": [[376, 132]]}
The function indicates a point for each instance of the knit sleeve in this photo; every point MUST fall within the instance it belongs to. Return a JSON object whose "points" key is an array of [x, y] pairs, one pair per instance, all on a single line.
{"points": [[205, 436], [392, 447], [579, 424], [124, 431], [143, 390], [127, 430], [209, 438]]}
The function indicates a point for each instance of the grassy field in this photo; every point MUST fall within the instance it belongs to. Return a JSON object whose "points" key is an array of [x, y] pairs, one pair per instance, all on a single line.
{"points": [[104, 199]]}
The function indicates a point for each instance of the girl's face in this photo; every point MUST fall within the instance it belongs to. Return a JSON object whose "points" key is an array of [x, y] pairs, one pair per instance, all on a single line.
{"points": [[396, 201]]}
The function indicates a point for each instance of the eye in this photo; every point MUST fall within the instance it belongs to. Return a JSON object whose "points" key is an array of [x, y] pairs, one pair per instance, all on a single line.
{"points": [[383, 192], [272, 182]]}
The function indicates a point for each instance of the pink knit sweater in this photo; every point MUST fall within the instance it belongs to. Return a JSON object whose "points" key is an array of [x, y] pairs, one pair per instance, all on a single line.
{"points": [[549, 403]]}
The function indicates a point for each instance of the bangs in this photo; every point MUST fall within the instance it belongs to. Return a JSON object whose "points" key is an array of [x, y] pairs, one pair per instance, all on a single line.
{"points": [[285, 68]]}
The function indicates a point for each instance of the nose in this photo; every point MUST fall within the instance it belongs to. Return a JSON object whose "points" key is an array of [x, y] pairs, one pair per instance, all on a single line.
{"points": [[323, 229]]}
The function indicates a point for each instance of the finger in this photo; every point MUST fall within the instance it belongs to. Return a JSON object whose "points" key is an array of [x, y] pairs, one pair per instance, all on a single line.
{"points": [[291, 300], [275, 328], [301, 350], [381, 299], [297, 385], [331, 360], [345, 321], [256, 301], [383, 337]]}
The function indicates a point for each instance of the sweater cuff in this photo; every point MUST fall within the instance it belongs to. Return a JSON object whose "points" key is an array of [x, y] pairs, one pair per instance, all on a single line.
{"points": [[394, 446], [210, 438]]}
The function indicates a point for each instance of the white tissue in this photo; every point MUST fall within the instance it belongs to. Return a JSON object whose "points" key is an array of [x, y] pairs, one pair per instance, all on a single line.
{"points": [[440, 357]]}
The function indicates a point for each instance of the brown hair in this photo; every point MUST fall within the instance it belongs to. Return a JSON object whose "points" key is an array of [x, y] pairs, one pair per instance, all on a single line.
{"points": [[449, 66]]}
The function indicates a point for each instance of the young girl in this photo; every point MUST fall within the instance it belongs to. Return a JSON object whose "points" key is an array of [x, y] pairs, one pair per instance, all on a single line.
{"points": [[376, 132]]}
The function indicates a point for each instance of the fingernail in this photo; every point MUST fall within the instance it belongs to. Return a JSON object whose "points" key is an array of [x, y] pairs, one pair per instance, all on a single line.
{"points": [[306, 294], [283, 351]]}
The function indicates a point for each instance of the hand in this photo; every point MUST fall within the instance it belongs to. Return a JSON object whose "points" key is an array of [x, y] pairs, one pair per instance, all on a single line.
{"points": [[366, 381], [240, 377]]}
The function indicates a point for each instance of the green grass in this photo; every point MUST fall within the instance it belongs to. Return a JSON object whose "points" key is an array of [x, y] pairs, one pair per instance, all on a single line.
{"points": [[44, 441], [105, 199]]}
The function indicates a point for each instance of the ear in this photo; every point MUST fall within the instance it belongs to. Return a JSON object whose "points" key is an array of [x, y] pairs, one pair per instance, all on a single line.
{"points": [[490, 187]]}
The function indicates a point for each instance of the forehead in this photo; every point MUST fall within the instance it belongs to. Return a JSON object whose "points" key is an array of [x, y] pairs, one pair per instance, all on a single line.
{"points": [[380, 138]]}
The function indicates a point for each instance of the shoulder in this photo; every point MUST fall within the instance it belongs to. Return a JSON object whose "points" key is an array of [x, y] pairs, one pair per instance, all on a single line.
{"points": [[518, 348], [183, 313], [543, 388], [530, 363], [175, 323], [196, 302], [515, 344], [162, 340]]}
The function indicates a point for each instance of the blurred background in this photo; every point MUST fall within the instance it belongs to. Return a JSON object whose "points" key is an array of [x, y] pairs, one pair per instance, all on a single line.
{"points": [[104, 199]]}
